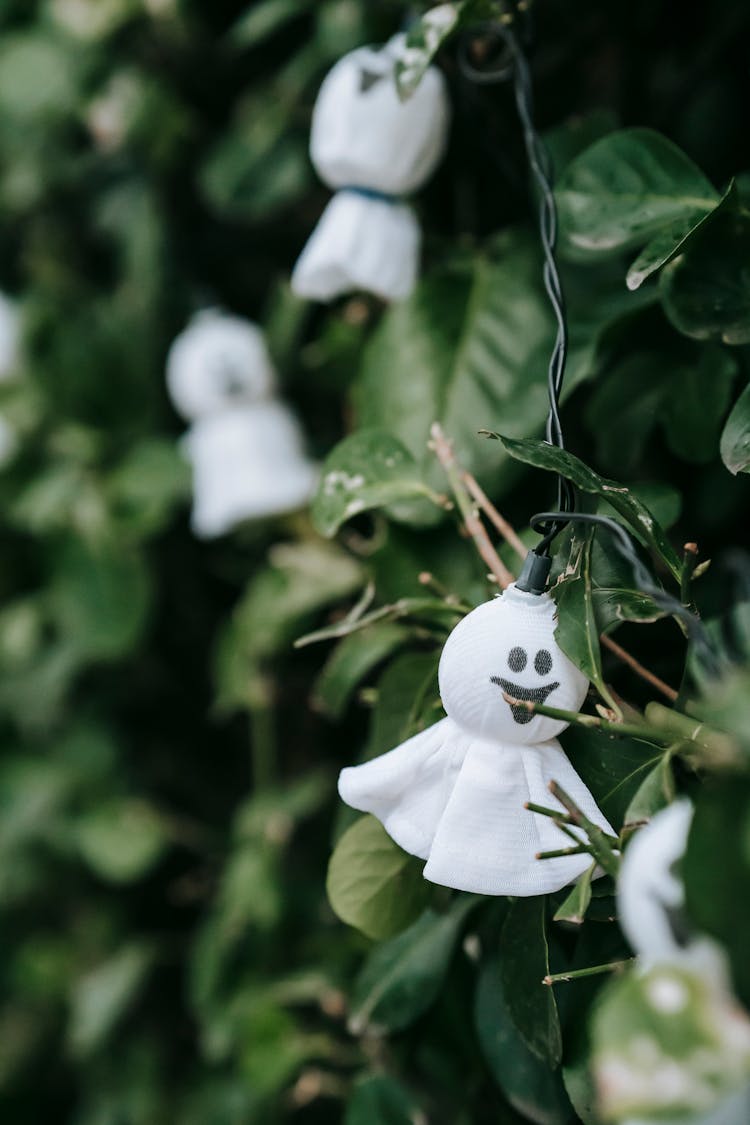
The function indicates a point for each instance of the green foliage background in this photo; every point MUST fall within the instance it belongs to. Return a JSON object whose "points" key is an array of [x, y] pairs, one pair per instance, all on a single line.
{"points": [[167, 760]]}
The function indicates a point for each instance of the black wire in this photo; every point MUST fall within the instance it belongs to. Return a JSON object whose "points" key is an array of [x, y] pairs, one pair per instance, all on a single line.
{"points": [[513, 63], [694, 627]]}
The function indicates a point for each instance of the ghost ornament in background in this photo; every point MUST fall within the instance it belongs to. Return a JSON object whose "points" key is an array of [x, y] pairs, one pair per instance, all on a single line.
{"points": [[10, 354], [454, 794], [10, 338], [244, 445], [372, 149], [651, 910]]}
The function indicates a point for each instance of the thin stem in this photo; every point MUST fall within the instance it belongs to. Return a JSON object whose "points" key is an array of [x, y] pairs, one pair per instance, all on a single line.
{"points": [[592, 971], [638, 668], [579, 850], [593, 722], [601, 844], [499, 521], [444, 452]]}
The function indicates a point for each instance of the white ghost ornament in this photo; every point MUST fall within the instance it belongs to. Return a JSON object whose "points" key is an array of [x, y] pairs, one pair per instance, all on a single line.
{"points": [[454, 794], [10, 337], [245, 446], [372, 149], [651, 910]]}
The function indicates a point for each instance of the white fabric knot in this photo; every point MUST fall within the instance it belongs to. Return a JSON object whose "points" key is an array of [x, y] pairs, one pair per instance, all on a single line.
{"points": [[245, 447], [366, 140], [454, 794]]}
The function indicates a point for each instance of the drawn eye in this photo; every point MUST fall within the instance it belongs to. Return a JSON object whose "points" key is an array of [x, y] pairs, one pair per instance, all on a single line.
{"points": [[368, 79], [543, 662], [517, 659]]}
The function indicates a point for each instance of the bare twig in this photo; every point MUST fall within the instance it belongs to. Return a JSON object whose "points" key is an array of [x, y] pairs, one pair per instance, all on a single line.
{"points": [[593, 970], [444, 452], [507, 531], [645, 674]]}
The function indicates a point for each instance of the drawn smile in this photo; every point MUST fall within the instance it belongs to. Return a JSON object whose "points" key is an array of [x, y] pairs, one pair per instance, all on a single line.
{"points": [[517, 691]]}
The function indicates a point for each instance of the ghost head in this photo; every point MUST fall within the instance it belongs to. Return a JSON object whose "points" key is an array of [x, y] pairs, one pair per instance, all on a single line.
{"points": [[364, 135], [650, 891], [219, 361], [508, 646]]}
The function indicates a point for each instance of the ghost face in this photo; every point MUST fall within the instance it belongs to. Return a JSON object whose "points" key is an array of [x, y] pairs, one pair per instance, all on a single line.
{"points": [[362, 133], [650, 891], [507, 647], [217, 362]]}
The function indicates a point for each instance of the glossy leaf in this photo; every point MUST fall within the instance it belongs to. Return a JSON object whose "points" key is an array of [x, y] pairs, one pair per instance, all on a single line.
{"points": [[612, 768], [531, 1087], [706, 291], [121, 840], [401, 979], [524, 960], [625, 188], [378, 1099], [351, 661], [577, 630], [673, 240], [735, 438], [625, 502], [372, 884], [573, 908], [718, 842], [369, 469], [101, 997], [424, 40]]}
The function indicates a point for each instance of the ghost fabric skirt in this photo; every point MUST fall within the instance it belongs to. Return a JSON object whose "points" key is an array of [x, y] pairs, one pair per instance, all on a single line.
{"points": [[363, 244], [458, 802]]}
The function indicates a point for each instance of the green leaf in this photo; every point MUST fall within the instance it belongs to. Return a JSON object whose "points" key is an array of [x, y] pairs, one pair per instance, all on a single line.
{"points": [[625, 188], [625, 502], [369, 469], [735, 438], [283, 599], [147, 484], [718, 845], [100, 597], [573, 908], [706, 291], [263, 19], [577, 630], [613, 769], [378, 1099], [467, 338], [535, 1091], [121, 840], [697, 402], [524, 960], [401, 978], [673, 240], [687, 397], [351, 661], [372, 884], [655, 792], [101, 997]]}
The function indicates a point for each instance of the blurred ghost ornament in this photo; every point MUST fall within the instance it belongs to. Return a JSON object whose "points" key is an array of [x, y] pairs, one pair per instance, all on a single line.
{"points": [[245, 446], [455, 793], [10, 337], [650, 893], [651, 910], [372, 149]]}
